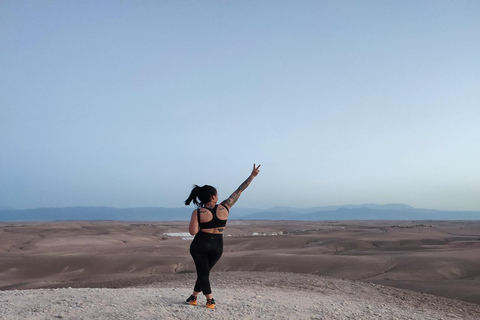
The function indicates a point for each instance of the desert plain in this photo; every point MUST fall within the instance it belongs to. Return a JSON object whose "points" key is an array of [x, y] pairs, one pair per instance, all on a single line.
{"points": [[439, 258]]}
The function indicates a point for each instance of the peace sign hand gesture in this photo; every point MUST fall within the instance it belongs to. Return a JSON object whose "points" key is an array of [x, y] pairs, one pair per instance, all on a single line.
{"points": [[255, 170]]}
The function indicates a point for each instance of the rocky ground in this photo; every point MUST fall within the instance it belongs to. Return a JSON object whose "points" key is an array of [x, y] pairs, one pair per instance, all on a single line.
{"points": [[239, 295]]}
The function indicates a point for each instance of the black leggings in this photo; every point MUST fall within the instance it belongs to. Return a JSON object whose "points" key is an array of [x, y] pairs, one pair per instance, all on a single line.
{"points": [[205, 249]]}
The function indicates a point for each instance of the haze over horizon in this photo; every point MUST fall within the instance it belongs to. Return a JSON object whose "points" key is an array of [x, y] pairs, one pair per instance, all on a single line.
{"points": [[397, 206], [129, 104]]}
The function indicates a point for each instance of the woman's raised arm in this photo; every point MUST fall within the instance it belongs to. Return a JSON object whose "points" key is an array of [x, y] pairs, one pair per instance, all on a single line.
{"points": [[234, 196]]}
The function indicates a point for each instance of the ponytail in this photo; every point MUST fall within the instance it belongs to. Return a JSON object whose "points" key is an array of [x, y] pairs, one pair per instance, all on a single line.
{"points": [[193, 196], [203, 194]]}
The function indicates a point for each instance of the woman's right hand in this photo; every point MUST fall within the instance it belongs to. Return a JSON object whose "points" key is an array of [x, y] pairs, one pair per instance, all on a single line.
{"points": [[255, 170], [234, 197]]}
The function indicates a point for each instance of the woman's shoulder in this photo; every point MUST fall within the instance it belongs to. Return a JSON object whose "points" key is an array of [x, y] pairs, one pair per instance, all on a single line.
{"points": [[202, 210], [223, 206]]}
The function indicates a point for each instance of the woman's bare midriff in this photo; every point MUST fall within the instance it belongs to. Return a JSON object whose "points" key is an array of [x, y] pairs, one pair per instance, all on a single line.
{"points": [[214, 230]]}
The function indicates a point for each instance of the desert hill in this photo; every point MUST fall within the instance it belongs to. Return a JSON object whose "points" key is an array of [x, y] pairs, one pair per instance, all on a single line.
{"points": [[346, 212]]}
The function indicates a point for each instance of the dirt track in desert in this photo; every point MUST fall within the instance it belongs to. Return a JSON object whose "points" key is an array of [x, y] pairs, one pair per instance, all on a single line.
{"points": [[440, 258]]}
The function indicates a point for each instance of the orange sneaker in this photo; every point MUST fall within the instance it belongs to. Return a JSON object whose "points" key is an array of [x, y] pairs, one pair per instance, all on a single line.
{"points": [[192, 300], [210, 304]]}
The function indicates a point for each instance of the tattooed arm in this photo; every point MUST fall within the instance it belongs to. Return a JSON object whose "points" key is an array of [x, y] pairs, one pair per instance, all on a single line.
{"points": [[234, 197]]}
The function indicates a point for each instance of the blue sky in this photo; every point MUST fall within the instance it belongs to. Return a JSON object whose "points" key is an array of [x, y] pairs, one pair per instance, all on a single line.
{"points": [[129, 103]]}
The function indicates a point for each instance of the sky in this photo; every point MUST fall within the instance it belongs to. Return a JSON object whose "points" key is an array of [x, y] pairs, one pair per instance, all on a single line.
{"points": [[130, 103]]}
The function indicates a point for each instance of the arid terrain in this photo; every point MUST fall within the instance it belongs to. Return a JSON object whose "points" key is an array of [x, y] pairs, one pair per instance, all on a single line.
{"points": [[435, 257]]}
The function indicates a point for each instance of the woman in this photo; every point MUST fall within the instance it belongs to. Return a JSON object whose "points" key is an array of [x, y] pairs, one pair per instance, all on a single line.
{"points": [[207, 225]]}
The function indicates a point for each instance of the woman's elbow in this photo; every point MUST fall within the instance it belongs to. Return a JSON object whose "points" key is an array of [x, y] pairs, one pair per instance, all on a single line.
{"points": [[193, 232]]}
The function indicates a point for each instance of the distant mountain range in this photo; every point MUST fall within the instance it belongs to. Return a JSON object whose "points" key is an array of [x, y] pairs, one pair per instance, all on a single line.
{"points": [[368, 211]]}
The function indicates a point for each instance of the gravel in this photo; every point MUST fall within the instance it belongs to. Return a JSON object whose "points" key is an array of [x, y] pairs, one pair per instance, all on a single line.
{"points": [[239, 295]]}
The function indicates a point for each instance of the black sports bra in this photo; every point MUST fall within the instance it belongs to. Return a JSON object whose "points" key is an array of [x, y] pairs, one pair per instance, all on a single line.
{"points": [[214, 223]]}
